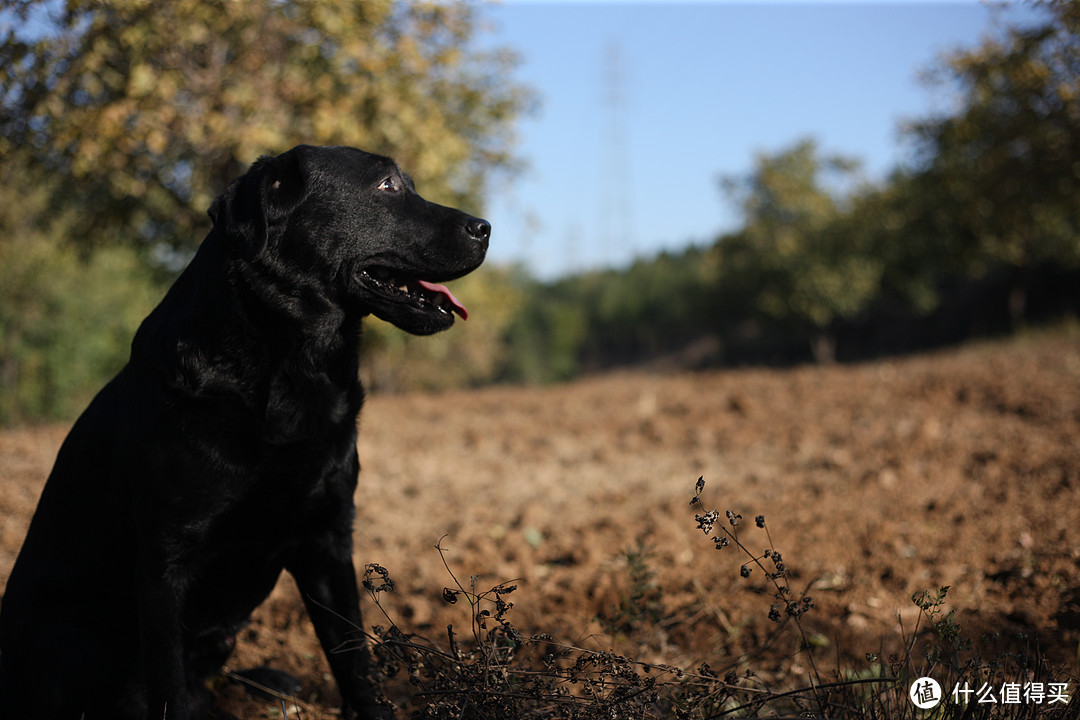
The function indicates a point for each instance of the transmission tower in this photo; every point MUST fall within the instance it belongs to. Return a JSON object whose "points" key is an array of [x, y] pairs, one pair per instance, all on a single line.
{"points": [[617, 232]]}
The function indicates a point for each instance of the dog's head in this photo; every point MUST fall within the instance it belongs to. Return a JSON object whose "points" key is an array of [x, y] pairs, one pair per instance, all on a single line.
{"points": [[350, 227]]}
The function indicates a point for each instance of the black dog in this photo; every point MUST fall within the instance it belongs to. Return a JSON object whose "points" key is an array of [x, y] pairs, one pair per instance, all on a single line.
{"points": [[225, 451]]}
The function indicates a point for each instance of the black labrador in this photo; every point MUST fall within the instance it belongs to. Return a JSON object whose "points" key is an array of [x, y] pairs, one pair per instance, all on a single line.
{"points": [[225, 451]]}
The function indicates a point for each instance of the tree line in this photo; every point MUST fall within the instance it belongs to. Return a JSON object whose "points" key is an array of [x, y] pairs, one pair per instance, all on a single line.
{"points": [[978, 234], [121, 120]]}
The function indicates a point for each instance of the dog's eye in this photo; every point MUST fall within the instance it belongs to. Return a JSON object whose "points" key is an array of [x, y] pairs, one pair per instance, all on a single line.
{"points": [[389, 185]]}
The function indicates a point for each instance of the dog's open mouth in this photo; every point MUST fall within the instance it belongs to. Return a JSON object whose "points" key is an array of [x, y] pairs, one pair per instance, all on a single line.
{"points": [[420, 293]]}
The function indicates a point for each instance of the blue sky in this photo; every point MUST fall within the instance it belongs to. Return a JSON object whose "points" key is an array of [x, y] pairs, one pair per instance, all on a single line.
{"points": [[702, 87]]}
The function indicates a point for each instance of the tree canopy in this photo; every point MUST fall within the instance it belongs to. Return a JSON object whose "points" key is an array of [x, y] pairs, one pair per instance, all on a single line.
{"points": [[793, 254], [149, 109], [120, 120], [1009, 159]]}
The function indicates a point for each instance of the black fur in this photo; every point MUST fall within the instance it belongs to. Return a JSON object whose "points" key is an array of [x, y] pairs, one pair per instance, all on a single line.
{"points": [[225, 451]]}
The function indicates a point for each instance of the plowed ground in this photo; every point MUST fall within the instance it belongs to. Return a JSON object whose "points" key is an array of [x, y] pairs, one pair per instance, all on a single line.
{"points": [[958, 468]]}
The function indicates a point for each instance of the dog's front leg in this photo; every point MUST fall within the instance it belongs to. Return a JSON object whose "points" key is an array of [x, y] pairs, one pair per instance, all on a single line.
{"points": [[162, 646], [326, 579]]}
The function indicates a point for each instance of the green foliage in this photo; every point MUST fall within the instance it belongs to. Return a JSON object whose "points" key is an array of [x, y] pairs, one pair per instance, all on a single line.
{"points": [[909, 233], [153, 107], [546, 335], [66, 320], [1009, 160], [604, 317], [795, 254]]}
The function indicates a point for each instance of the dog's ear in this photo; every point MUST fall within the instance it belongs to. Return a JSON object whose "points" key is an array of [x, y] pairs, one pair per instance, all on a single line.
{"points": [[253, 209]]}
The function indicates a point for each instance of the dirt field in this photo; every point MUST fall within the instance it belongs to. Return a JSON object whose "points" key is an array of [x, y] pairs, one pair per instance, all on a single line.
{"points": [[959, 468]]}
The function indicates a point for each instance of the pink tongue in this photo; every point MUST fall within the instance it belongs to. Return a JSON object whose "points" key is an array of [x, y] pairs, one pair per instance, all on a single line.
{"points": [[445, 292]]}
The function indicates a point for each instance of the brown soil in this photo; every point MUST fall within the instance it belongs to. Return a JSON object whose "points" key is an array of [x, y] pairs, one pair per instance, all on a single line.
{"points": [[959, 468]]}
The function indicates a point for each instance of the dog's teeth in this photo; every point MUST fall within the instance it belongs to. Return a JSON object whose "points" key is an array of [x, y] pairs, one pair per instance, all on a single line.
{"points": [[403, 288]]}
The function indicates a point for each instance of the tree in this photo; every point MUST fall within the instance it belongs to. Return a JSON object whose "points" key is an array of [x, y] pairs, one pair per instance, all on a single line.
{"points": [[149, 109], [121, 119], [1007, 163], [793, 256], [65, 320]]}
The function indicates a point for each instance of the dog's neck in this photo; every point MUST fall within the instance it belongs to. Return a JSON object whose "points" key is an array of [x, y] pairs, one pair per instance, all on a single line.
{"points": [[222, 315]]}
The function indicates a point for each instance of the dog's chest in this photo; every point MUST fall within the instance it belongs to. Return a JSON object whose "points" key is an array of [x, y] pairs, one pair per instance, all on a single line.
{"points": [[311, 407]]}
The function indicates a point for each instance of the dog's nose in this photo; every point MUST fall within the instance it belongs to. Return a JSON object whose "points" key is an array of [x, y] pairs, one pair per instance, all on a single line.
{"points": [[479, 229]]}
